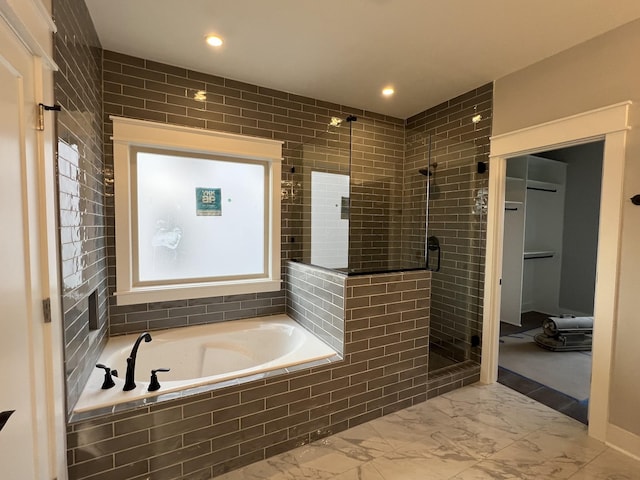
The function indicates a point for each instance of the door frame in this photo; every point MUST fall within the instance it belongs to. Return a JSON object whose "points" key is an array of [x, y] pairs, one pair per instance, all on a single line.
{"points": [[32, 24], [610, 124]]}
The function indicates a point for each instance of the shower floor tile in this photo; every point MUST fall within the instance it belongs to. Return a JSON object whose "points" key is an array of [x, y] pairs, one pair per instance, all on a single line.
{"points": [[437, 361], [476, 432]]}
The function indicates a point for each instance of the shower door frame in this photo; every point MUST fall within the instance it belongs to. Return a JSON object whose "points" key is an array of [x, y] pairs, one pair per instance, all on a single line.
{"points": [[611, 125]]}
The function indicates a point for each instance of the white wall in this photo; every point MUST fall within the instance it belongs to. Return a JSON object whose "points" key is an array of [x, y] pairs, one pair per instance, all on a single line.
{"points": [[600, 72]]}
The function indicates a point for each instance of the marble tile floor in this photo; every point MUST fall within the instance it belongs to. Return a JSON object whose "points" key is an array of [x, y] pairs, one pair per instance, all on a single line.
{"points": [[475, 433]]}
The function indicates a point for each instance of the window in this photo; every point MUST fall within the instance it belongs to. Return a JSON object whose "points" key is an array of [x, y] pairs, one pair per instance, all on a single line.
{"points": [[197, 212]]}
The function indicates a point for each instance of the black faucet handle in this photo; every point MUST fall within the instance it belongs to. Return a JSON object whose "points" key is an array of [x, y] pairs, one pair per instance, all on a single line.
{"points": [[154, 383], [108, 381]]}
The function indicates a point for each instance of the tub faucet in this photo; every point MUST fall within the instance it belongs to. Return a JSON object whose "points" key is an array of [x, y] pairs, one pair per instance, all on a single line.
{"points": [[130, 383]]}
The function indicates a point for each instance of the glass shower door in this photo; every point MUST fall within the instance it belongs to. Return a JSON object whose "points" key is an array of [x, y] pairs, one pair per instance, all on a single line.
{"points": [[454, 194]]}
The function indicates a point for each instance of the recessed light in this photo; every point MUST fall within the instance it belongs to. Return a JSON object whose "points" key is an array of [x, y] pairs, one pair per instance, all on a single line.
{"points": [[214, 40], [388, 91]]}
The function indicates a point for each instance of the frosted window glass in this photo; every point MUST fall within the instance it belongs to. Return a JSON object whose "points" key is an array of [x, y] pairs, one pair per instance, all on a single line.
{"points": [[199, 218]]}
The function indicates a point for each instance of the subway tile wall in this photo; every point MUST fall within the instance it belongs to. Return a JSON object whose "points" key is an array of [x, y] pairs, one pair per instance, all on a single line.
{"points": [[376, 196], [78, 90], [315, 299], [384, 370], [327, 153], [452, 378], [456, 214], [385, 317], [139, 88]]}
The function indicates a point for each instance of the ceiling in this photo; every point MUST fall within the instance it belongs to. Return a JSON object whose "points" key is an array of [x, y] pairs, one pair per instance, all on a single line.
{"points": [[346, 51]]}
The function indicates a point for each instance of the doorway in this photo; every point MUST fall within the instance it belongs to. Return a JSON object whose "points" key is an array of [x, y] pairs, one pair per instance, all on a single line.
{"points": [[552, 206], [32, 427], [609, 124]]}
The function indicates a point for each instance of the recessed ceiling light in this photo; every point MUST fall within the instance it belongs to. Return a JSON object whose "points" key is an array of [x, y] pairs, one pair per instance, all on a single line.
{"points": [[388, 91], [213, 40]]}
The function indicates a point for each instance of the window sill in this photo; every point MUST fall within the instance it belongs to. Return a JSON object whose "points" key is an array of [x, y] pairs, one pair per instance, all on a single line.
{"points": [[185, 292]]}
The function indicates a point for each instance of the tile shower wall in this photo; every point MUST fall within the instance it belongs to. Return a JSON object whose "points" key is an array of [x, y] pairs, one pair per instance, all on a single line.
{"points": [[78, 89], [315, 299], [376, 194], [139, 88], [384, 370], [456, 213]]}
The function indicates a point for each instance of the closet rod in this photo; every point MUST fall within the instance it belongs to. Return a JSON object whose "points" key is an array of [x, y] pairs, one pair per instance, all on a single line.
{"points": [[511, 209], [542, 189]]}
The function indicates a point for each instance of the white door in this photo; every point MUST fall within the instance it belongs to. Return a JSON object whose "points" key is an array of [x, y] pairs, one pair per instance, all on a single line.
{"points": [[24, 441]]}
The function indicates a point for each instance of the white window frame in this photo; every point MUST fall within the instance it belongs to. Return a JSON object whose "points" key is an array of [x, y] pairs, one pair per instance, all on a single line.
{"points": [[130, 134]]}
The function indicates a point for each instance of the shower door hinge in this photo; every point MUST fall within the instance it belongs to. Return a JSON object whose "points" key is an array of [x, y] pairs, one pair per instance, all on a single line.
{"points": [[41, 108], [46, 310]]}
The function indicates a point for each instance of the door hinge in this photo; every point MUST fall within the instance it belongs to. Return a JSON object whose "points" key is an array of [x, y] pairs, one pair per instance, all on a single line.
{"points": [[46, 310], [41, 108]]}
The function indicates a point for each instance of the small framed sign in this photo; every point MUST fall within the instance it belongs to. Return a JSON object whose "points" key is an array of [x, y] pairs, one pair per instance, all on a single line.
{"points": [[208, 202]]}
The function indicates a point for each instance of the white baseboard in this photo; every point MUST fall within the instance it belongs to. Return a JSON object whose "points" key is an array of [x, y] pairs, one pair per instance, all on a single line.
{"points": [[623, 441], [527, 307], [575, 312]]}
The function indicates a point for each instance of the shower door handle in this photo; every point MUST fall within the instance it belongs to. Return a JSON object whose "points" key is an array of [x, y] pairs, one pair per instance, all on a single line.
{"points": [[433, 245]]}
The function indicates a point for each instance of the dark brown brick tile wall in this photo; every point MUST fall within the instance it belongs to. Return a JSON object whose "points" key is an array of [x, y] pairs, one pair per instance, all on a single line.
{"points": [[315, 299], [384, 370], [386, 317], [147, 90], [452, 378], [78, 90], [376, 197], [457, 145]]}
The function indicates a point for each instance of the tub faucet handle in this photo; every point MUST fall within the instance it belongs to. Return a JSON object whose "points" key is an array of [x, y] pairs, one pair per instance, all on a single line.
{"points": [[108, 381], [154, 384]]}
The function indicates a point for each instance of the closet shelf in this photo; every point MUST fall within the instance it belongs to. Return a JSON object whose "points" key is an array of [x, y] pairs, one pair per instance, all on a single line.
{"points": [[529, 254], [512, 205], [542, 186]]}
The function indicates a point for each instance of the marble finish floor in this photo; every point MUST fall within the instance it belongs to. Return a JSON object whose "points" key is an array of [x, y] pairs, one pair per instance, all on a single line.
{"points": [[475, 433]]}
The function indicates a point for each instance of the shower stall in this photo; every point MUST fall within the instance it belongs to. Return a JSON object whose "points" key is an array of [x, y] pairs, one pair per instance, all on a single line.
{"points": [[408, 205], [347, 201], [444, 218]]}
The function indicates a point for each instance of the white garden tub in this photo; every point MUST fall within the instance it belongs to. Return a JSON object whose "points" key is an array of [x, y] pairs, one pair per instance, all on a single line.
{"points": [[215, 354]]}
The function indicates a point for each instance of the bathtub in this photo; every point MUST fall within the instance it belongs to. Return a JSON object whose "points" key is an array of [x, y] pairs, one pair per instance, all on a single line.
{"points": [[202, 358]]}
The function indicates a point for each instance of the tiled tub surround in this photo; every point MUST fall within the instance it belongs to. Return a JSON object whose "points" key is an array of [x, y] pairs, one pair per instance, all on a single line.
{"points": [[384, 370], [147, 90], [374, 378], [315, 299], [228, 353], [82, 224], [144, 89]]}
